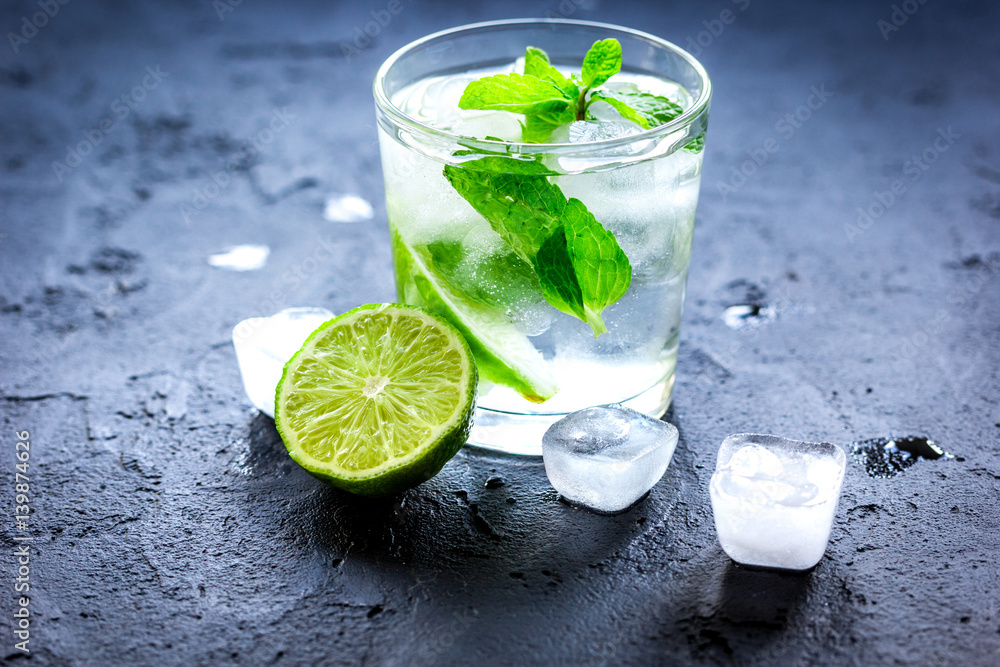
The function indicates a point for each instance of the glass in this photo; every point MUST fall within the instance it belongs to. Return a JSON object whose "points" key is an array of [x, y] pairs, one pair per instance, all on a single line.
{"points": [[643, 188]]}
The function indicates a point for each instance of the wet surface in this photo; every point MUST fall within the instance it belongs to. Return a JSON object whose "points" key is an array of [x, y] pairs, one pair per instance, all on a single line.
{"points": [[887, 457], [851, 186]]}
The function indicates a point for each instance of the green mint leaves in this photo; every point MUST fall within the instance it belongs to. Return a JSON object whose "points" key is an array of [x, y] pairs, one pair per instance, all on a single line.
{"points": [[603, 60], [536, 63], [548, 98], [579, 264], [538, 128], [643, 109], [517, 93], [603, 272]]}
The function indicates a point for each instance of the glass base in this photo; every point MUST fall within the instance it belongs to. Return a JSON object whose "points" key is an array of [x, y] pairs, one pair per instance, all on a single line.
{"points": [[521, 434]]}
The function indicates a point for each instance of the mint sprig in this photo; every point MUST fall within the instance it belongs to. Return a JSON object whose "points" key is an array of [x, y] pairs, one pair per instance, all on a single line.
{"points": [[579, 264], [536, 128], [548, 98]]}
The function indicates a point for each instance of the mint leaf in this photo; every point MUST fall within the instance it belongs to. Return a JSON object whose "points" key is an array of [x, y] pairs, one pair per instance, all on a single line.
{"points": [[560, 286], [696, 145], [517, 93], [536, 63], [601, 267], [538, 128], [603, 60], [643, 109], [581, 267], [579, 264], [543, 94], [514, 196]]}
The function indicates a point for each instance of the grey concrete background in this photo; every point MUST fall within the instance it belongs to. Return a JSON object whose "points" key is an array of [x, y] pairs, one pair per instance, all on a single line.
{"points": [[169, 525]]}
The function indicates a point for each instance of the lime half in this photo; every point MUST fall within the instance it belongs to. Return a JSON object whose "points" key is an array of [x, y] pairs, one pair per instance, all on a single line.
{"points": [[378, 399]]}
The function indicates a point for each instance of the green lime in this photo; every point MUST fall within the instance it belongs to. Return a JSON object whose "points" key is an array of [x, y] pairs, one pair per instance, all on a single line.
{"points": [[378, 399], [503, 353]]}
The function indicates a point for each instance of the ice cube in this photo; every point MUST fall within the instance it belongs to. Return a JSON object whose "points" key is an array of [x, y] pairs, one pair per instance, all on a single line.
{"points": [[440, 97], [585, 131], [624, 87], [347, 208], [774, 499], [606, 457], [627, 82], [241, 258], [264, 344], [605, 112], [588, 131]]}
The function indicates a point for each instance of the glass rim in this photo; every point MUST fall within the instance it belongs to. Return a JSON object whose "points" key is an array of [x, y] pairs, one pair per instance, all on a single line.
{"points": [[401, 119]]}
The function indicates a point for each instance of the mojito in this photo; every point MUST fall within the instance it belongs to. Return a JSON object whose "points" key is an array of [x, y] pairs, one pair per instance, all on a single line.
{"points": [[546, 208]]}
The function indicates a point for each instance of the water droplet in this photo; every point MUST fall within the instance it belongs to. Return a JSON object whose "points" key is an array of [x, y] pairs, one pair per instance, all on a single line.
{"points": [[747, 315]]}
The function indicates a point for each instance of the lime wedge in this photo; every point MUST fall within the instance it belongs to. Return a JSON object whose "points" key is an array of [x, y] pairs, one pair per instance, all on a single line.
{"points": [[378, 399], [503, 354]]}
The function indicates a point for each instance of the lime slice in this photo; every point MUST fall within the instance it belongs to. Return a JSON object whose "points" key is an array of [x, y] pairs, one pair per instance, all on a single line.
{"points": [[378, 399], [503, 354]]}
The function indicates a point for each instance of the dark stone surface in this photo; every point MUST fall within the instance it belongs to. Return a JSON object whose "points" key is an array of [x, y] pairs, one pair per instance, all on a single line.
{"points": [[169, 525]]}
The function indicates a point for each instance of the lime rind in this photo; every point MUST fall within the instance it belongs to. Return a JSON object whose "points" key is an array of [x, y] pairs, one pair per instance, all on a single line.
{"points": [[413, 462], [503, 354]]}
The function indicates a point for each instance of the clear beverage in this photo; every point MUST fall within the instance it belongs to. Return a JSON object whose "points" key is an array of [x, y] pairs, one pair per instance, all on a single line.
{"points": [[642, 186]]}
